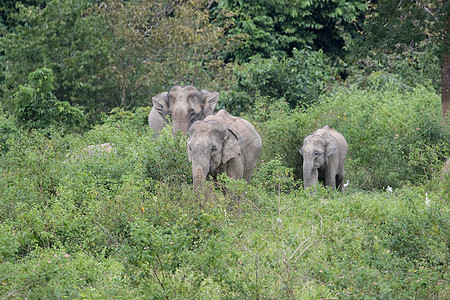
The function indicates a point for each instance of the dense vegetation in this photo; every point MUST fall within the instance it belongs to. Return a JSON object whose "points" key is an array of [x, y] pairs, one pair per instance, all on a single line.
{"points": [[127, 224]]}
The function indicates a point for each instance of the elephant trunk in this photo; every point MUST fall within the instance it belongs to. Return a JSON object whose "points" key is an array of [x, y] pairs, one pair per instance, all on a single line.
{"points": [[198, 175], [180, 126], [310, 174]]}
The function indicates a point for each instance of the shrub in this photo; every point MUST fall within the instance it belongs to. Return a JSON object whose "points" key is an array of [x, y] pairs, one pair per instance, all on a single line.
{"points": [[282, 130], [300, 80], [384, 128], [272, 175], [8, 128], [395, 137], [38, 108], [128, 224], [58, 273]]}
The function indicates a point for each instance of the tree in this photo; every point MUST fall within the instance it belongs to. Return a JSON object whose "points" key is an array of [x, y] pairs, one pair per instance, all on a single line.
{"points": [[275, 27], [156, 44], [61, 36], [9, 8], [38, 108], [299, 80], [404, 26], [113, 53]]}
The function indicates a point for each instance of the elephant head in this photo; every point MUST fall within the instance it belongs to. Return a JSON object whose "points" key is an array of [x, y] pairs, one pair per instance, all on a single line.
{"points": [[210, 146], [316, 150], [184, 105]]}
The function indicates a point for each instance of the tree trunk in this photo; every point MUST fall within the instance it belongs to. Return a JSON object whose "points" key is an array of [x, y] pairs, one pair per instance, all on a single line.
{"points": [[445, 86], [445, 75]]}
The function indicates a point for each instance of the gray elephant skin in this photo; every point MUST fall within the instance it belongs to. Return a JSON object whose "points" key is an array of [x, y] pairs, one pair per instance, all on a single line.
{"points": [[222, 143], [324, 153], [182, 106]]}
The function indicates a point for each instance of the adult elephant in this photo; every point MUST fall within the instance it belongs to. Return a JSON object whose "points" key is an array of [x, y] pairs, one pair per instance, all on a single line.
{"points": [[324, 153], [182, 106], [222, 143]]}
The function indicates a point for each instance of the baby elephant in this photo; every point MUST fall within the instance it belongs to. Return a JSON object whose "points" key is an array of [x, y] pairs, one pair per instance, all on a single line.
{"points": [[324, 153], [223, 143]]}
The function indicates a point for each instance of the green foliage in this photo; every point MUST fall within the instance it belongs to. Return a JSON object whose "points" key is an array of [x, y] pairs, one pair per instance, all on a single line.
{"points": [[385, 129], [113, 53], [62, 37], [273, 176], [300, 80], [274, 28], [410, 24], [126, 223], [9, 243], [167, 158], [405, 40], [282, 130], [8, 127], [57, 273], [407, 70], [395, 137], [38, 108], [9, 8]]}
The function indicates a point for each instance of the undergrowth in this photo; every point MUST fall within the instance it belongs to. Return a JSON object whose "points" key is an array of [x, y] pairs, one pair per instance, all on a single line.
{"points": [[127, 223]]}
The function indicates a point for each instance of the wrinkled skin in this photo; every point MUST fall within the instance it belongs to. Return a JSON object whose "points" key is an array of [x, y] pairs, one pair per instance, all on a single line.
{"points": [[324, 153], [182, 106], [223, 143]]}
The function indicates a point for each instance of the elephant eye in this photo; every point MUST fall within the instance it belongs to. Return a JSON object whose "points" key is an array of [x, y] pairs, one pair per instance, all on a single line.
{"points": [[316, 153], [214, 148], [192, 114]]}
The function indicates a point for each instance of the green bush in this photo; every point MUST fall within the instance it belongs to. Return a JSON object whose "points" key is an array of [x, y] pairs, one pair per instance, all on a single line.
{"points": [[57, 273], [128, 224], [395, 137], [274, 176], [408, 70], [300, 80], [8, 128], [282, 130], [38, 108]]}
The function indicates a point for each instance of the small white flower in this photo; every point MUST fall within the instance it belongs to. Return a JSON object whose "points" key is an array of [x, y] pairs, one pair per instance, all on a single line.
{"points": [[389, 189]]}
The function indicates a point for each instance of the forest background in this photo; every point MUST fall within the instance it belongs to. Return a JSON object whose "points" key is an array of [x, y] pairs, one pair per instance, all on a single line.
{"points": [[127, 224]]}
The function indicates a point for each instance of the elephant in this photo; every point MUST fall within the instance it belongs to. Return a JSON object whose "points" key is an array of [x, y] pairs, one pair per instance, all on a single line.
{"points": [[223, 143], [183, 106], [324, 153]]}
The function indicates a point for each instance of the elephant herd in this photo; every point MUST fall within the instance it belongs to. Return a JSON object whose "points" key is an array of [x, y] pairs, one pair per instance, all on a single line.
{"points": [[222, 143]]}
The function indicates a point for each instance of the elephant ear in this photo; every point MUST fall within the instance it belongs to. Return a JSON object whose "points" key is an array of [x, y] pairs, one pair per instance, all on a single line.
{"points": [[160, 102], [190, 133], [210, 98], [330, 147], [231, 147]]}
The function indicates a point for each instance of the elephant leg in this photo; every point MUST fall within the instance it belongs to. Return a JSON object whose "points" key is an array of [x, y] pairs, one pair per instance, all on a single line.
{"points": [[332, 171], [331, 181], [330, 178], [235, 170], [339, 180]]}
